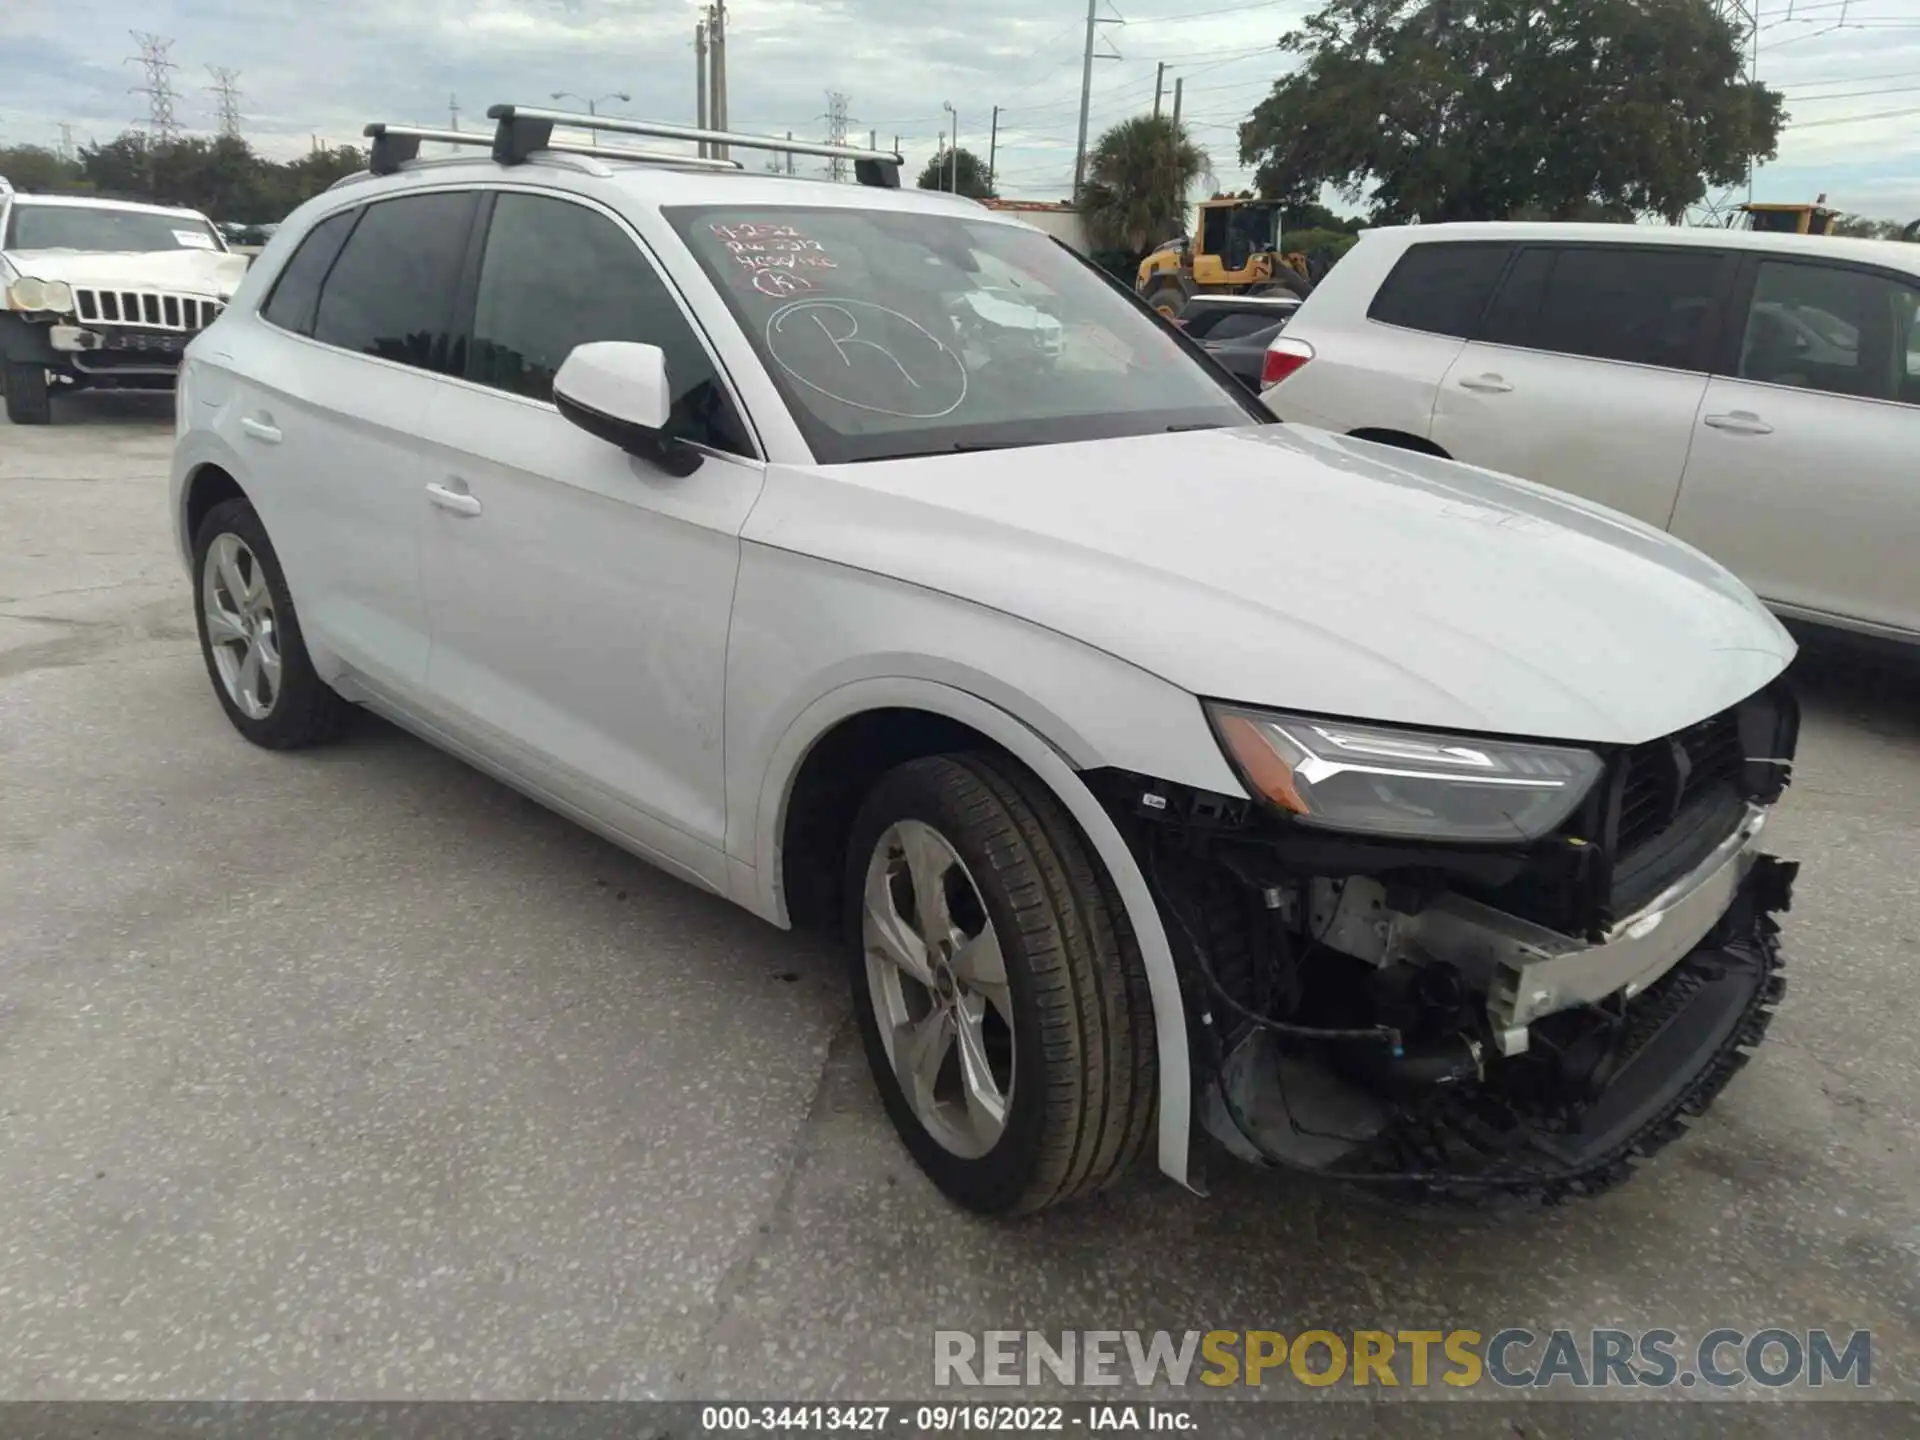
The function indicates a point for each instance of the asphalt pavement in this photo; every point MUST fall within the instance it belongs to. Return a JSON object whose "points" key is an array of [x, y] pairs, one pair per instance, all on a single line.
{"points": [[352, 1074]]}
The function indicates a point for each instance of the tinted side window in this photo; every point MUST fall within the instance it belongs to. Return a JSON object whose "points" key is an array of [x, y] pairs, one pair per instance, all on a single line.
{"points": [[556, 275], [290, 306], [1821, 327], [1440, 286], [1630, 302], [1510, 318], [391, 293]]}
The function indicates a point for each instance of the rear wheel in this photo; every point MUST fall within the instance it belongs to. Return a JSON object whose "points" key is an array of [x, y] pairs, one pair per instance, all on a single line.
{"points": [[29, 397], [250, 635], [1169, 294], [1285, 282], [1000, 995]]}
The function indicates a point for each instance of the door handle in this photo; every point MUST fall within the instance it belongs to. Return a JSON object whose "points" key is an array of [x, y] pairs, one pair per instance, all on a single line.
{"points": [[1740, 422], [1486, 384], [260, 430], [458, 501]]}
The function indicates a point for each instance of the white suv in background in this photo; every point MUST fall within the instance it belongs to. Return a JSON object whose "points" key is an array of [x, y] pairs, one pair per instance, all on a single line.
{"points": [[864, 556], [1755, 394]]}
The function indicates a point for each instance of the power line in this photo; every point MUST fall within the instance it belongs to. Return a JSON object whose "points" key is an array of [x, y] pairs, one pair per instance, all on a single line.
{"points": [[1203, 14], [1852, 119], [153, 60]]}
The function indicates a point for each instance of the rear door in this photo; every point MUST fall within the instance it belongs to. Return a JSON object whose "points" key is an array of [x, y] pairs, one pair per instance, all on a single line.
{"points": [[1805, 472], [1380, 354], [1588, 369], [332, 394]]}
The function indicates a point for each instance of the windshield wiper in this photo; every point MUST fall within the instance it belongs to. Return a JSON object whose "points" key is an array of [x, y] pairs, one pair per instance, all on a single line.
{"points": [[1194, 425], [960, 447]]}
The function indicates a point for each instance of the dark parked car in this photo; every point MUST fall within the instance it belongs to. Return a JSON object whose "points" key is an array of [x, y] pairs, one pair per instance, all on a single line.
{"points": [[1235, 330]]}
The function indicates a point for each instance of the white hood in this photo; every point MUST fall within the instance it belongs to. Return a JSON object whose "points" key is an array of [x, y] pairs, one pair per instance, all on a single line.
{"points": [[187, 272], [1289, 567]]}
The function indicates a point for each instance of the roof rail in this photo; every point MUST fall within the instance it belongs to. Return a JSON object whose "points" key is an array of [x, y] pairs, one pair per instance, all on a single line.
{"points": [[523, 130], [395, 145]]}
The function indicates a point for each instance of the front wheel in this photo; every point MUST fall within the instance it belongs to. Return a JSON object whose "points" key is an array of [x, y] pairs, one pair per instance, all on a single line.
{"points": [[1000, 994], [29, 397]]}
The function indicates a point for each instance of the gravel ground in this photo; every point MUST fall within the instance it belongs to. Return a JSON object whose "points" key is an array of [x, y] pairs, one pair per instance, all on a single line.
{"points": [[354, 1075]]}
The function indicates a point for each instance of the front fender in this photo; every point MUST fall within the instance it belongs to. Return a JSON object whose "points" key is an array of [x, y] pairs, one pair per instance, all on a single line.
{"points": [[1051, 766], [814, 643]]}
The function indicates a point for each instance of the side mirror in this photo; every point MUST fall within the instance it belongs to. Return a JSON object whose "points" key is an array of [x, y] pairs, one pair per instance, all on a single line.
{"points": [[617, 390]]}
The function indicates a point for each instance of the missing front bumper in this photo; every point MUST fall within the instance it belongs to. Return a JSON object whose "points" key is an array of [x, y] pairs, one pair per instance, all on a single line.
{"points": [[1528, 972]]}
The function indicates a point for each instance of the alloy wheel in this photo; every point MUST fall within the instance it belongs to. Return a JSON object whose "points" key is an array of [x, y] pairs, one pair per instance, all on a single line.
{"points": [[938, 984], [243, 636]]}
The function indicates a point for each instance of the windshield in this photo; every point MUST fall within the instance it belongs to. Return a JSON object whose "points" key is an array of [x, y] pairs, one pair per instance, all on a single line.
{"points": [[894, 334], [91, 227]]}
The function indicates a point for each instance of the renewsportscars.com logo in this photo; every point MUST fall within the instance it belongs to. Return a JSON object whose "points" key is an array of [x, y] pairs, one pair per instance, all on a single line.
{"points": [[1511, 1359]]}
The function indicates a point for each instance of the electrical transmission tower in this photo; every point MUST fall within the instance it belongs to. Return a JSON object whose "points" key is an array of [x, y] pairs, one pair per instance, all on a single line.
{"points": [[161, 125], [226, 99], [836, 118], [1743, 18]]}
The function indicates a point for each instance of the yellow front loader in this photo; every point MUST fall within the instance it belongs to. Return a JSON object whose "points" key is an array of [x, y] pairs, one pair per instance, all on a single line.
{"points": [[1234, 250]]}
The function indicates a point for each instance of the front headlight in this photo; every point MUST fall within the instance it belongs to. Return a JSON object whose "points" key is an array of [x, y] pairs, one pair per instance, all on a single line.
{"points": [[31, 293], [1380, 780]]}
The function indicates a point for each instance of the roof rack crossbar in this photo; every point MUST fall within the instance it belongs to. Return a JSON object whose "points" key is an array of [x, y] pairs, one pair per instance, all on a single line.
{"points": [[523, 129], [394, 145]]}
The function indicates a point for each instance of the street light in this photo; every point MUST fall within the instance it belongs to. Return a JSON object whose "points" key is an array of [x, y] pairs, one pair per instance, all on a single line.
{"points": [[620, 95], [953, 149]]}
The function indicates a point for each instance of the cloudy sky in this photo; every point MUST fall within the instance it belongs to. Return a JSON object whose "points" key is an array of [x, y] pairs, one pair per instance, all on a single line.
{"points": [[1850, 69]]}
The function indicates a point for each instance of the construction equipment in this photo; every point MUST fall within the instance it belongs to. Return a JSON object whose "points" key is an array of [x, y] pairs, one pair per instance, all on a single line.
{"points": [[1815, 219], [1234, 249]]}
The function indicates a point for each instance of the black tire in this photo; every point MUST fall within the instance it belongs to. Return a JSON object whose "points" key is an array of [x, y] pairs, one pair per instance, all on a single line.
{"points": [[304, 711], [1084, 1062], [1168, 294], [29, 397], [1285, 282]]}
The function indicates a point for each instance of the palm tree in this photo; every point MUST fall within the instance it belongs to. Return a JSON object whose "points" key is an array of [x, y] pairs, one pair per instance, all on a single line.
{"points": [[1138, 177]]}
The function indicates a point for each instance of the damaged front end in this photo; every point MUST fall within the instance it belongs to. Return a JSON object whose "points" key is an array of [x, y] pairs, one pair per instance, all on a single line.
{"points": [[1576, 954]]}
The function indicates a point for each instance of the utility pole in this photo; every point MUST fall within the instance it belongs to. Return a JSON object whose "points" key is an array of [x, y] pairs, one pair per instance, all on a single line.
{"points": [[1159, 82], [701, 116], [953, 150], [453, 111], [1178, 85], [161, 125], [226, 100], [66, 141], [993, 145], [717, 101], [789, 155], [1094, 22]]}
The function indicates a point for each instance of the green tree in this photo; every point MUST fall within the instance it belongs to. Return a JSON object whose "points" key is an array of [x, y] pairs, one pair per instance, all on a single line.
{"points": [[1857, 226], [1475, 109], [36, 169], [972, 173], [222, 176], [1138, 177]]}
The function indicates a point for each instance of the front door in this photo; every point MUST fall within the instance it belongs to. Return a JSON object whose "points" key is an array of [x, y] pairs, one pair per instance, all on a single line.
{"points": [[580, 598], [1587, 372], [1805, 474]]}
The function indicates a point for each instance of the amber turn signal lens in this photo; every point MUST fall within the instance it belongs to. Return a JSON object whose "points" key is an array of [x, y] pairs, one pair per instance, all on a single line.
{"points": [[1261, 764]]}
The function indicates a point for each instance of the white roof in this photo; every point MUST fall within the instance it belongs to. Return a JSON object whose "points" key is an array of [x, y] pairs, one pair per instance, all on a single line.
{"points": [[1834, 247], [92, 202]]}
